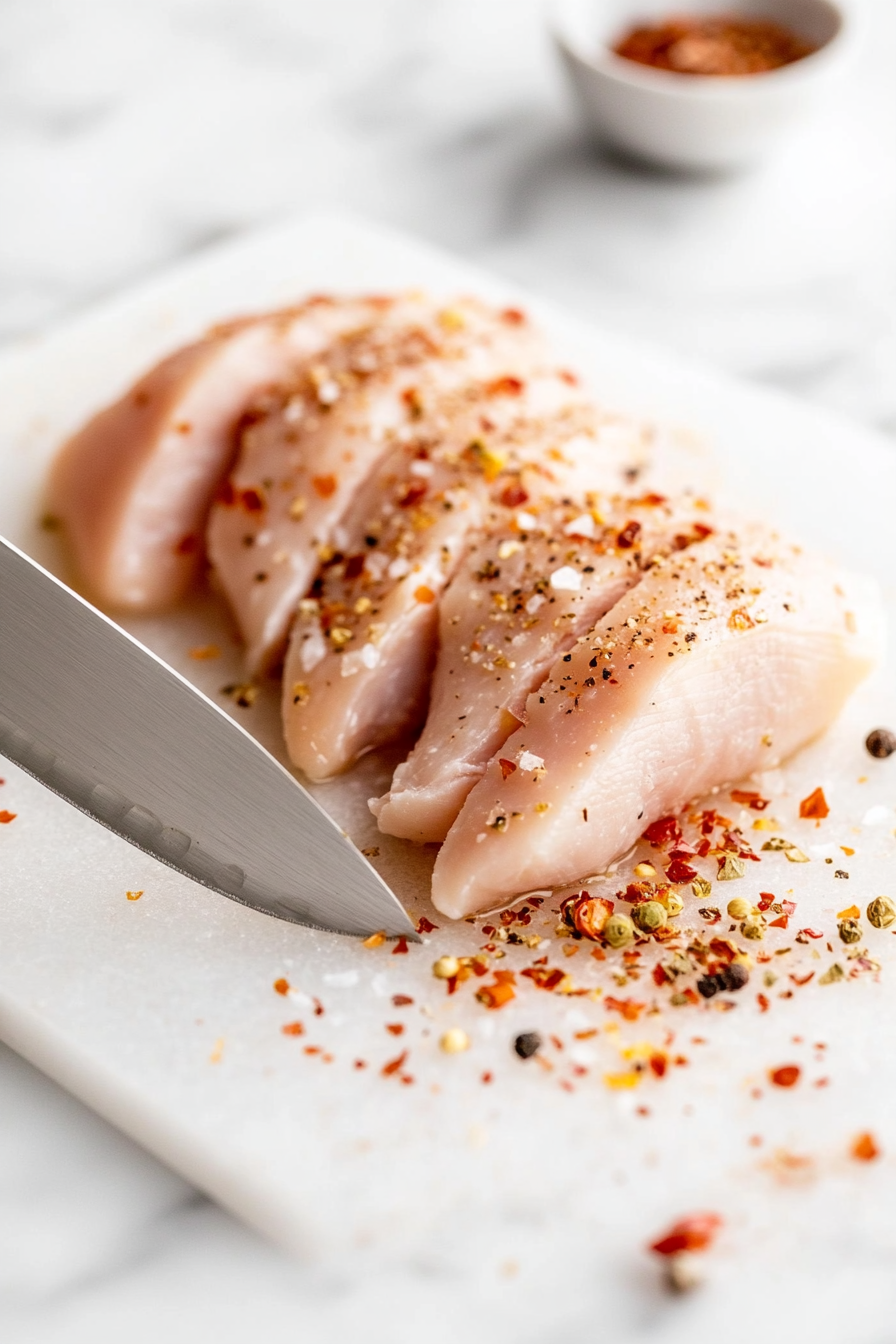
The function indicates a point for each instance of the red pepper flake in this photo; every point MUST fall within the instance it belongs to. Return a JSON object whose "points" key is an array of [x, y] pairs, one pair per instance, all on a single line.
{"points": [[678, 871], [394, 1064], [187, 545], [694, 1233], [802, 979], [763, 1002], [426, 926], [629, 1008], [570, 378], [252, 500], [325, 486], [658, 1065], [318, 1008], [395, 1028], [293, 1029], [507, 386], [585, 1035], [766, 898], [664, 832], [740, 620], [507, 767], [815, 806], [513, 496], [779, 923], [749, 798], [354, 566], [659, 975], [312, 1050], [514, 317], [361, 1064], [487, 1077], [812, 933], [7, 817], [787, 1075], [864, 1148], [407, 1079], [629, 535], [401, 1000], [789, 907], [496, 995], [413, 494], [400, 947], [281, 986], [545, 977], [424, 594]]}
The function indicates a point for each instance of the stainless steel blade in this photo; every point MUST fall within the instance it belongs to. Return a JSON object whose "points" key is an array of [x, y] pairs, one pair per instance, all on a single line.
{"points": [[99, 719]]}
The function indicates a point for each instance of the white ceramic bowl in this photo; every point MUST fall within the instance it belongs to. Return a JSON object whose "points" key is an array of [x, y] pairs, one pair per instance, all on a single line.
{"points": [[695, 122]]}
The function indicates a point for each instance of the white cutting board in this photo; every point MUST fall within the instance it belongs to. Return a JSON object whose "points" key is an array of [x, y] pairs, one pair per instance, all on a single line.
{"points": [[160, 1013]]}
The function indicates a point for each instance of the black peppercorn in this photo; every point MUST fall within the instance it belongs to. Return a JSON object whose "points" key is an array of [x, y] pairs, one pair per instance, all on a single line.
{"points": [[734, 976], [708, 985], [881, 743], [527, 1044]]}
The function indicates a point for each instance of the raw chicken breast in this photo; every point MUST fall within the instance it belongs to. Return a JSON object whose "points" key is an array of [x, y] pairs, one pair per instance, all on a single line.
{"points": [[362, 648], [307, 453], [722, 661], [523, 596], [133, 487]]}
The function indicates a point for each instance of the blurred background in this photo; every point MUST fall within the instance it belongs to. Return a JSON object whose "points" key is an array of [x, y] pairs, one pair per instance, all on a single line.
{"points": [[134, 133]]}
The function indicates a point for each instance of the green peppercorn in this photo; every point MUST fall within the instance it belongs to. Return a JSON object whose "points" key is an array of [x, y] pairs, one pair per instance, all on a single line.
{"points": [[649, 916], [881, 912], [850, 931], [618, 931], [753, 928]]}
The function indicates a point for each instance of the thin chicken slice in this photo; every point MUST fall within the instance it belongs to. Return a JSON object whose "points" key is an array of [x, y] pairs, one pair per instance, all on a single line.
{"points": [[362, 647], [523, 596], [723, 660], [134, 486], [310, 450]]}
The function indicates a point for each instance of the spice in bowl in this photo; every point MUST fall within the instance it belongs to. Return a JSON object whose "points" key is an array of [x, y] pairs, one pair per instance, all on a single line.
{"points": [[723, 44]]}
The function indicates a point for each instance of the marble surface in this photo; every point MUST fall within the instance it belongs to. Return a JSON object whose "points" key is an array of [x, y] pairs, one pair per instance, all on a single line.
{"points": [[134, 134]]}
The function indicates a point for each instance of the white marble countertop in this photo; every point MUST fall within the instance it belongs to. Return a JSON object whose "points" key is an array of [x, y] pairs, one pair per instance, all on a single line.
{"points": [[132, 135]]}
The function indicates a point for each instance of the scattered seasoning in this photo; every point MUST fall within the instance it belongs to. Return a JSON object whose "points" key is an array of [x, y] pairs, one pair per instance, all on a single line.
{"points": [[375, 940], [710, 45], [446, 968], [881, 912], [281, 986], [496, 995], [694, 1233], [851, 912], [425, 926], [649, 916], [738, 908], [400, 947], [786, 1076], [293, 1029], [394, 1065], [203, 652], [527, 1044], [217, 1051], [454, 1041], [7, 817], [619, 931], [244, 694], [815, 806], [832, 975], [881, 743], [134, 895], [731, 866], [864, 1148]]}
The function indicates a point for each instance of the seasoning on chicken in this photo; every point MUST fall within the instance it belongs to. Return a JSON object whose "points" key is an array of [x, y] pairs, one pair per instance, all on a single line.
{"points": [[723, 660], [524, 596], [363, 645], [134, 486], [308, 450]]}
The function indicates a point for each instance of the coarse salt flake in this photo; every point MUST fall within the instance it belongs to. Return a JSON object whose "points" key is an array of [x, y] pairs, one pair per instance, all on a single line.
{"points": [[529, 761], [583, 526], [566, 579]]}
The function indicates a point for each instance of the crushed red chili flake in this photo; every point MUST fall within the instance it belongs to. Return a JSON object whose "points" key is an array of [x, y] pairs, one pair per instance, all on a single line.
{"points": [[658, 1065], [318, 1008], [801, 979], [545, 977], [864, 1148], [513, 495], [425, 925], [281, 986], [750, 798], [360, 1063], [487, 1077], [508, 386], [293, 1029], [6, 817], [779, 923], [815, 806], [187, 545], [763, 1002], [394, 1064], [787, 1075], [401, 1000], [664, 832], [400, 947], [507, 767], [252, 500], [628, 1008], [515, 317], [629, 535], [325, 486], [678, 871], [812, 933], [694, 1233], [496, 995], [395, 1028]]}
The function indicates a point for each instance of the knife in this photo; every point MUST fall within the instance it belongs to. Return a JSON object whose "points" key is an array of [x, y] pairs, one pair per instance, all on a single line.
{"points": [[100, 720]]}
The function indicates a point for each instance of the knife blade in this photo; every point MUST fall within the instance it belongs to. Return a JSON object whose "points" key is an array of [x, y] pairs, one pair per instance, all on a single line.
{"points": [[100, 719]]}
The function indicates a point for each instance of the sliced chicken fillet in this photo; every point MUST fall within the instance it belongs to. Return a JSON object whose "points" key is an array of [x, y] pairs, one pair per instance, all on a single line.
{"points": [[304, 458], [722, 661], [134, 486], [370, 628], [523, 596]]}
